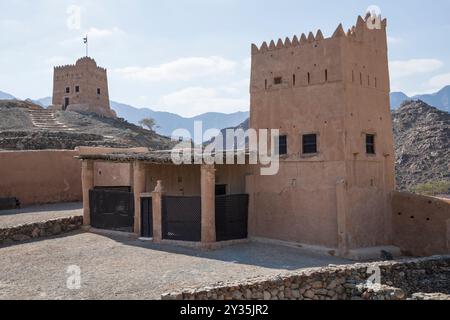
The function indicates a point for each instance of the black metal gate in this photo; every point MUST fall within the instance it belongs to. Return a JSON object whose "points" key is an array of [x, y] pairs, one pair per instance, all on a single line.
{"points": [[232, 217], [182, 218], [112, 210], [147, 217]]}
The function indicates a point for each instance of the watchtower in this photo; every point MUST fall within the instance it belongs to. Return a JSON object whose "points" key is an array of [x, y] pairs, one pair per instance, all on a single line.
{"points": [[329, 97], [82, 87]]}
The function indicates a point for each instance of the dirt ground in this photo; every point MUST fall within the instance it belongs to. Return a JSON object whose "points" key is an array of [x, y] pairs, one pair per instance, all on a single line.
{"points": [[12, 218], [121, 268]]}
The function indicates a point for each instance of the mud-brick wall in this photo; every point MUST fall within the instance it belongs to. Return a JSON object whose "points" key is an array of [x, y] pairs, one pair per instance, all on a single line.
{"points": [[421, 225], [40, 177]]}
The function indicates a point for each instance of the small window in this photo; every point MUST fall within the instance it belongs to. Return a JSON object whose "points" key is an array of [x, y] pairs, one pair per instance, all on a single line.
{"points": [[221, 189], [370, 143], [310, 143], [265, 84], [326, 75], [67, 90], [278, 80], [309, 78], [293, 80], [77, 89], [282, 145], [98, 91]]}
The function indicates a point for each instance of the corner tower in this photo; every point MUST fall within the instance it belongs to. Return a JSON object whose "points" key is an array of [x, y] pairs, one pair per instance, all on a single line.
{"points": [[329, 97], [82, 87]]}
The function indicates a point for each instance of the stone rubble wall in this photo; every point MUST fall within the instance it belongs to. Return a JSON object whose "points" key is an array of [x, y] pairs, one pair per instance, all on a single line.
{"points": [[32, 231], [400, 280]]}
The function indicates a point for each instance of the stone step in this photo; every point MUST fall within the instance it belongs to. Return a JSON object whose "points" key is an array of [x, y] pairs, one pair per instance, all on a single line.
{"points": [[50, 123], [46, 120], [44, 117]]}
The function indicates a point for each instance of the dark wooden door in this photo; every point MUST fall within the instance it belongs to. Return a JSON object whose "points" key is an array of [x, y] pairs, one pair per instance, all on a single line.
{"points": [[112, 210], [147, 218]]}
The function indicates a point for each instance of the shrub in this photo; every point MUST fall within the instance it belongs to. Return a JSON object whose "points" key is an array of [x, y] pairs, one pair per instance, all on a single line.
{"points": [[432, 188]]}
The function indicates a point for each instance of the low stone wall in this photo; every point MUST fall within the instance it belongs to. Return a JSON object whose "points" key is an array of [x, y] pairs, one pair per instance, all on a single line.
{"points": [[399, 281], [39, 230]]}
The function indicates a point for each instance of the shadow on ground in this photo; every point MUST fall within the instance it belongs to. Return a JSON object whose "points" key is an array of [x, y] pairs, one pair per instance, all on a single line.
{"points": [[271, 256], [59, 207]]}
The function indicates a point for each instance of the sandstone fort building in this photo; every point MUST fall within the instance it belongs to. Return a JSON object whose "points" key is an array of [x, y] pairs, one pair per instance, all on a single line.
{"points": [[82, 87], [335, 190]]}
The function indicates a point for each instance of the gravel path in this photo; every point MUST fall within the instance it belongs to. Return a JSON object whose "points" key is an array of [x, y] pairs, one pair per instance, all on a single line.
{"points": [[12, 218], [120, 268]]}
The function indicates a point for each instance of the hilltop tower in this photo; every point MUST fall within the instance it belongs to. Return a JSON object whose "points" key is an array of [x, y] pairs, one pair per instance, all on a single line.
{"points": [[82, 87], [329, 97]]}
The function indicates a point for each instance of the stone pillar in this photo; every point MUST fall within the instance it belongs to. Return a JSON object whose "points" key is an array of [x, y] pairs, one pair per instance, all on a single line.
{"points": [[131, 174], [208, 194], [250, 190], [87, 181], [138, 188], [341, 187], [448, 235], [157, 197]]}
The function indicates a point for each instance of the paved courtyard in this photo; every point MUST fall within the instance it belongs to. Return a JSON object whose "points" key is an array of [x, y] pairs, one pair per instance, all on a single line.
{"points": [[11, 218], [121, 268]]}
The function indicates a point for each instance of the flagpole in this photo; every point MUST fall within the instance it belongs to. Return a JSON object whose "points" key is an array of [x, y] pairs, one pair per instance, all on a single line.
{"points": [[87, 46]]}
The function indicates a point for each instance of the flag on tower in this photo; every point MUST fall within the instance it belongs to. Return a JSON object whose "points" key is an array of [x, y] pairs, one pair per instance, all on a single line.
{"points": [[85, 40]]}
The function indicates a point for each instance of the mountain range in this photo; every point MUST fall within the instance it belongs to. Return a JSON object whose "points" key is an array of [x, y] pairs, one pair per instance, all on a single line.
{"points": [[6, 96], [439, 100], [169, 122]]}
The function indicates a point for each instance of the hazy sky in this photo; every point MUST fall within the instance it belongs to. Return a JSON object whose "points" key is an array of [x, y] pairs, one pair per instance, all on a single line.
{"points": [[192, 56]]}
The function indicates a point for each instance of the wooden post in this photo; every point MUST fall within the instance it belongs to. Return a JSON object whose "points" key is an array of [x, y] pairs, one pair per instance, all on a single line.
{"points": [[249, 189], [138, 188], [157, 198], [87, 180], [208, 194]]}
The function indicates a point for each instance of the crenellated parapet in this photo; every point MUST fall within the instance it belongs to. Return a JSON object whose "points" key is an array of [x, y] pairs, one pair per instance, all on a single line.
{"points": [[80, 62], [369, 23]]}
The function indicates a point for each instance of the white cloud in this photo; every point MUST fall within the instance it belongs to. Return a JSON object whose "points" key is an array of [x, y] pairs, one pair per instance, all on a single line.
{"points": [[196, 100], [438, 82], [183, 69], [94, 34], [104, 33], [406, 68], [247, 64], [57, 60], [394, 40], [11, 24]]}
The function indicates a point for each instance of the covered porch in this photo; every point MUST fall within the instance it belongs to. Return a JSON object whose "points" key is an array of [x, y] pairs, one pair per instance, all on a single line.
{"points": [[197, 205]]}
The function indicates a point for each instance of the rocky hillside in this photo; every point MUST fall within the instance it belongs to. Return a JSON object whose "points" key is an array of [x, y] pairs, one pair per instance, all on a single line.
{"points": [[26, 126], [422, 139]]}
